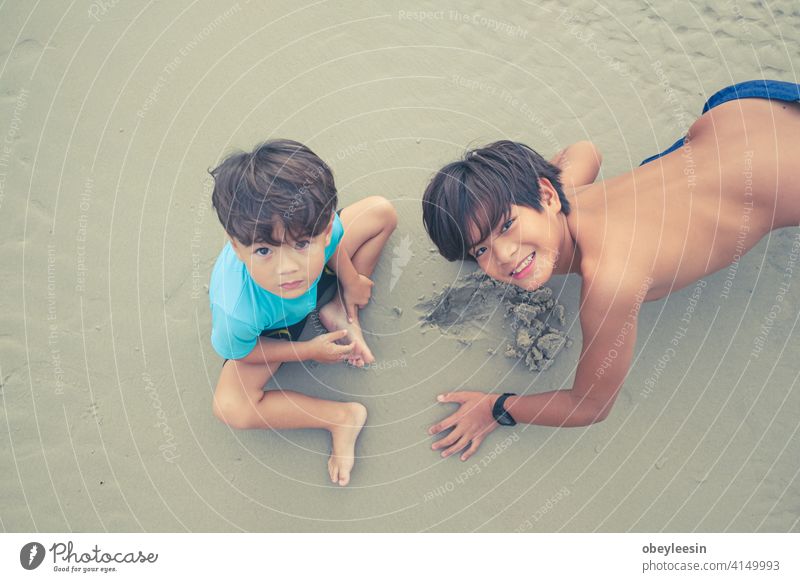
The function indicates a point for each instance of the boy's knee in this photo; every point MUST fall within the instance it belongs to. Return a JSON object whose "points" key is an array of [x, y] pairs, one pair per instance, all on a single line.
{"points": [[236, 413], [385, 210]]}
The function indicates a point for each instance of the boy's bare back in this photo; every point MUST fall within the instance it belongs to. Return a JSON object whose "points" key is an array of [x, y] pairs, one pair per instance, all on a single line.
{"points": [[682, 215], [693, 211]]}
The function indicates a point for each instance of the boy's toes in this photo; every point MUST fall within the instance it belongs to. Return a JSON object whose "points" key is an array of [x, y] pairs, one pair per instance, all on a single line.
{"points": [[356, 361], [366, 355], [344, 478], [333, 470]]}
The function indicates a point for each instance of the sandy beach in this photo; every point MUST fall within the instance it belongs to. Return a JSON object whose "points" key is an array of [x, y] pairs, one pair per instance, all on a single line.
{"points": [[112, 113]]}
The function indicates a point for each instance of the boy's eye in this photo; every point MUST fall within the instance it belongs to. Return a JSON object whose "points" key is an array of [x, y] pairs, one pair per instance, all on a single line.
{"points": [[266, 252], [300, 245], [507, 225], [479, 252]]}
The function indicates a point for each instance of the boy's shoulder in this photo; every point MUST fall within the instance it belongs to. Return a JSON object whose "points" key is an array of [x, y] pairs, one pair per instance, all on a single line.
{"points": [[611, 269], [233, 294], [228, 280], [235, 316], [612, 283]]}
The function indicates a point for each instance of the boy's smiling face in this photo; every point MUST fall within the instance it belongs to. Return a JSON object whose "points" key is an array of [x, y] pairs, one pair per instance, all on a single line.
{"points": [[285, 270], [523, 249]]}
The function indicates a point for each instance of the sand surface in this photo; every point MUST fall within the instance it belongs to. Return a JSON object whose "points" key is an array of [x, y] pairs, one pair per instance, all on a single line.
{"points": [[110, 115]]}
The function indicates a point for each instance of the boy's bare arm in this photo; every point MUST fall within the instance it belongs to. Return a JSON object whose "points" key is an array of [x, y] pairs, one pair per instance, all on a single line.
{"points": [[579, 163], [356, 288], [341, 264], [609, 316], [608, 322], [322, 348]]}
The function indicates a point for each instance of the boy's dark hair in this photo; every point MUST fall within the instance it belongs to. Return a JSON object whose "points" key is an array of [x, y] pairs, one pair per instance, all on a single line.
{"points": [[479, 190], [281, 189]]}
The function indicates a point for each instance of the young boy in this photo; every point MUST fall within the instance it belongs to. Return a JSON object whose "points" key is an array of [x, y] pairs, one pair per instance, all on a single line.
{"points": [[637, 237], [277, 205]]}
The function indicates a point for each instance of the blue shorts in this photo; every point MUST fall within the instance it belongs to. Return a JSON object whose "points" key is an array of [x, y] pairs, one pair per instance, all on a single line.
{"points": [[761, 89]]}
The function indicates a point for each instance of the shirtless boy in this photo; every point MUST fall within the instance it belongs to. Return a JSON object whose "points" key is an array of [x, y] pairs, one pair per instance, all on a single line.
{"points": [[636, 237], [277, 205]]}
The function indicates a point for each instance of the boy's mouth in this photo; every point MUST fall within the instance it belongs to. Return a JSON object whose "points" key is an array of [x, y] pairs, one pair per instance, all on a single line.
{"points": [[524, 267], [291, 285]]}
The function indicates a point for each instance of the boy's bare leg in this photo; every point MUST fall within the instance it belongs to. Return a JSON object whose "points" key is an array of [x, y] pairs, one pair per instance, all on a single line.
{"points": [[240, 402], [368, 224]]}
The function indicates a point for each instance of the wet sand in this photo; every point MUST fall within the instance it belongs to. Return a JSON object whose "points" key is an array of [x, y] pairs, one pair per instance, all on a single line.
{"points": [[462, 310], [112, 113]]}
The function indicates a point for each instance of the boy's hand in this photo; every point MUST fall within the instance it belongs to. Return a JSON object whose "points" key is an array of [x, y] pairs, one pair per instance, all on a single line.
{"points": [[325, 350], [579, 163], [470, 423], [356, 293]]}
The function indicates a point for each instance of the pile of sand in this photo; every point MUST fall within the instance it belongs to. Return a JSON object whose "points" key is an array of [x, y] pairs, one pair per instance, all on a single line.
{"points": [[475, 297]]}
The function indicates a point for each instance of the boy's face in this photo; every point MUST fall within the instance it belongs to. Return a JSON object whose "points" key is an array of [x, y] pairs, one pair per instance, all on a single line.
{"points": [[524, 249], [287, 270]]}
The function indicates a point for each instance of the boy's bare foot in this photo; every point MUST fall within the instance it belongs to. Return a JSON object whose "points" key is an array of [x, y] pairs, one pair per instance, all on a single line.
{"points": [[344, 437], [334, 317]]}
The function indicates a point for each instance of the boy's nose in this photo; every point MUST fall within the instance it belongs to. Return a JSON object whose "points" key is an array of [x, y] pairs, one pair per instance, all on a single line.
{"points": [[505, 253], [286, 264]]}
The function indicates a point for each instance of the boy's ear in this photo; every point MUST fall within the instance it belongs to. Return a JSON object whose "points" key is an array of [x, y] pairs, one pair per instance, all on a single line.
{"points": [[329, 230], [548, 195], [237, 247]]}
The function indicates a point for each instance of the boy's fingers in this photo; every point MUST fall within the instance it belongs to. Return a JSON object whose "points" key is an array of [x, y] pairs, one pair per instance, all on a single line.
{"points": [[342, 348], [451, 397], [476, 442], [350, 310], [447, 441], [460, 444], [445, 424], [337, 335]]}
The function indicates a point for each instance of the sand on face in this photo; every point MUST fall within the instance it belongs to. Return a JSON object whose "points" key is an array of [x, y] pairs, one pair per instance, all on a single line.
{"points": [[110, 116]]}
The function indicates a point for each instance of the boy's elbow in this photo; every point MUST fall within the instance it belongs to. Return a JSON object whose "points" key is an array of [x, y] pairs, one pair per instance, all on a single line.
{"points": [[600, 415], [593, 152], [596, 411], [593, 416], [604, 409]]}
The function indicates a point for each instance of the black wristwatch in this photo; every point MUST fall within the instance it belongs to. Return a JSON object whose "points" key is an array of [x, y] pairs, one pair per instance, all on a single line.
{"points": [[501, 415]]}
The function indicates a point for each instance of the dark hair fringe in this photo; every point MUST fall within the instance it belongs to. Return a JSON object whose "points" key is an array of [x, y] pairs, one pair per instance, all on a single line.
{"points": [[279, 190], [478, 191]]}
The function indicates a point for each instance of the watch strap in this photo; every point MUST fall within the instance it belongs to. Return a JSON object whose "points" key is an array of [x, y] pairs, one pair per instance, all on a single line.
{"points": [[501, 415]]}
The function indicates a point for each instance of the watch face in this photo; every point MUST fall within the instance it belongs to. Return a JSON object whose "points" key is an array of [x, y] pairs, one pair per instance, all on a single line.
{"points": [[506, 420], [500, 414]]}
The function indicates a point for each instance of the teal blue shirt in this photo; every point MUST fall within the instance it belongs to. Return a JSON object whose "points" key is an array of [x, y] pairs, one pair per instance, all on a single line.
{"points": [[241, 309]]}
